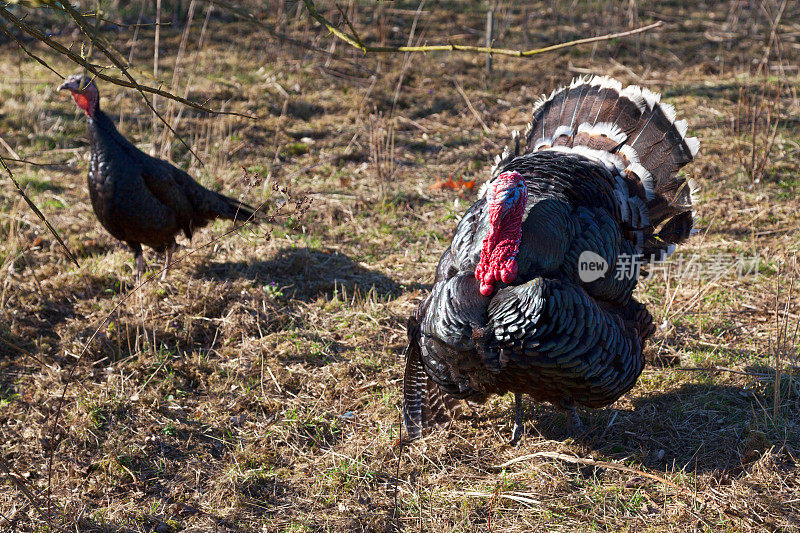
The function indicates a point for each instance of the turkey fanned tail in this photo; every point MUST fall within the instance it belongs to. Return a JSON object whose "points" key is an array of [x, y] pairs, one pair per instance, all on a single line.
{"points": [[636, 137]]}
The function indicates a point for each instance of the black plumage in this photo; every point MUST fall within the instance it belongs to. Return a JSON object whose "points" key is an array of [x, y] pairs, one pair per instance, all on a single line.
{"points": [[600, 167], [140, 199]]}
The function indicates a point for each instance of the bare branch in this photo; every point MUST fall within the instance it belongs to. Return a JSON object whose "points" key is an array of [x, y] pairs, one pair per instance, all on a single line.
{"points": [[28, 52], [270, 29], [355, 41], [239, 12], [13, 475], [97, 70], [90, 33], [349, 25], [38, 213]]}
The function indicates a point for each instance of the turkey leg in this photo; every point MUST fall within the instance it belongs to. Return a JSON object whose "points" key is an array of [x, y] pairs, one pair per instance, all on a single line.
{"points": [[168, 259], [138, 258], [575, 424], [519, 429]]}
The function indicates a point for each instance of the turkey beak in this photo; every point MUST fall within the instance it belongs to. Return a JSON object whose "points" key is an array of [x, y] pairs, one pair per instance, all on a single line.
{"points": [[69, 85]]}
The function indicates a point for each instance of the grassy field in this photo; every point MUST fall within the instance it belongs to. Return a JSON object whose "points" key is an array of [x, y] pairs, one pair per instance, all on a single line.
{"points": [[257, 388]]}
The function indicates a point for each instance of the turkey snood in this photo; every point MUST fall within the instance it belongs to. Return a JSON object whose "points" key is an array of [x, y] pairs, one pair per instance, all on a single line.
{"points": [[506, 199]]}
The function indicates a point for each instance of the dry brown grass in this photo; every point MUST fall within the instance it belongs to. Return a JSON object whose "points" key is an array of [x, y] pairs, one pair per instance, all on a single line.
{"points": [[258, 387]]}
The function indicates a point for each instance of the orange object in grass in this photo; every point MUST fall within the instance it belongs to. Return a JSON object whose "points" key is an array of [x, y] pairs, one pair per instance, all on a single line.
{"points": [[452, 184]]}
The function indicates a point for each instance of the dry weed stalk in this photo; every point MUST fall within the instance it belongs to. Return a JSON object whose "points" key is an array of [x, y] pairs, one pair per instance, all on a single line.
{"points": [[756, 126], [381, 147], [156, 41], [783, 346], [166, 143], [758, 112]]}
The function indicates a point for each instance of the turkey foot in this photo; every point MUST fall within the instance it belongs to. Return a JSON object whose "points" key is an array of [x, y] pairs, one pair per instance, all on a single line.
{"points": [[519, 428]]}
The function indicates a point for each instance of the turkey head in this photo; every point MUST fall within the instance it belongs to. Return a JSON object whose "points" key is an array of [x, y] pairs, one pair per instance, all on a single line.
{"points": [[507, 196], [84, 91]]}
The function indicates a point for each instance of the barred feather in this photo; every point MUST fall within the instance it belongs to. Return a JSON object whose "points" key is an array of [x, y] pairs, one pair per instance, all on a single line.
{"points": [[633, 124]]}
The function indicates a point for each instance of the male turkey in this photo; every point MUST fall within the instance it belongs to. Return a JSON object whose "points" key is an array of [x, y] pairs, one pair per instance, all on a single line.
{"points": [[140, 199], [534, 294]]}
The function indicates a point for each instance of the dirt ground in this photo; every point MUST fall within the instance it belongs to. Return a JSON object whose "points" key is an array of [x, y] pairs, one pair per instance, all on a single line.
{"points": [[257, 388]]}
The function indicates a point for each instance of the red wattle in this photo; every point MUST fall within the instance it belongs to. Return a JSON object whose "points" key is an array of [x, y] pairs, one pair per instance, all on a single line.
{"points": [[498, 260], [486, 289], [508, 271], [84, 102], [81, 100]]}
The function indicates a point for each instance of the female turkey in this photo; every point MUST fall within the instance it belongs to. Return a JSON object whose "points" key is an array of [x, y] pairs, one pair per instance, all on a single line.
{"points": [[534, 294], [140, 199]]}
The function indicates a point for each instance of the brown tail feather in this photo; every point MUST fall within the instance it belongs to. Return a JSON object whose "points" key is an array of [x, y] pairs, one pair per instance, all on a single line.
{"points": [[595, 99], [414, 393], [625, 128], [424, 404]]}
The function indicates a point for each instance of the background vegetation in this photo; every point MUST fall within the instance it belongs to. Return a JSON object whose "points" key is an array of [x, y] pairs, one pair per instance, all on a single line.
{"points": [[258, 386]]}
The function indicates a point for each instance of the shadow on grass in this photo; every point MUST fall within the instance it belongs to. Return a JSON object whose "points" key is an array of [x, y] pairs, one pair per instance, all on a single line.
{"points": [[11, 348], [294, 274], [305, 274], [724, 90], [89, 525], [12, 345], [697, 427]]}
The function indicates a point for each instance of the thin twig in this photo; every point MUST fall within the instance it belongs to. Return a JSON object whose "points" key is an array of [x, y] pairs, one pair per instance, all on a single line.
{"points": [[349, 25], [28, 52], [717, 369], [270, 29], [591, 462], [404, 68], [397, 472], [90, 33], [96, 70], [450, 47], [11, 473], [34, 163], [38, 213], [486, 129]]}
